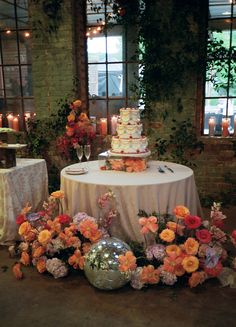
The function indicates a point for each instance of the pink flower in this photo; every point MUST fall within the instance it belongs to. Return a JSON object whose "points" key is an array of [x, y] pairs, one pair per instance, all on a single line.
{"points": [[149, 224], [192, 222], [203, 235]]}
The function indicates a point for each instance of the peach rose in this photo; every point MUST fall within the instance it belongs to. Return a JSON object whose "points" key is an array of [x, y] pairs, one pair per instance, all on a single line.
{"points": [[76, 103], [127, 261], [191, 246], [181, 211], [190, 263], [41, 265], [44, 236], [69, 131], [173, 250], [58, 194], [76, 260], [83, 117], [71, 117], [148, 224], [24, 228], [177, 228], [17, 271], [167, 235], [38, 252], [197, 277], [150, 275], [25, 258], [86, 247]]}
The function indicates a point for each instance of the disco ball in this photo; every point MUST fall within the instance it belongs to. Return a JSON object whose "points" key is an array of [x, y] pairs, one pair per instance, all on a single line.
{"points": [[101, 265]]}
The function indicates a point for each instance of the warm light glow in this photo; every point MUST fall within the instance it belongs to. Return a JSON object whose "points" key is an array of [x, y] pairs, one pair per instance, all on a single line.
{"points": [[8, 32], [27, 34]]}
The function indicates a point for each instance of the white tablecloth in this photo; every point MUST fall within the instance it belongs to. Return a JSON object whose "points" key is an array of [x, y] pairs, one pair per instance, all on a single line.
{"points": [[27, 182], [149, 190]]}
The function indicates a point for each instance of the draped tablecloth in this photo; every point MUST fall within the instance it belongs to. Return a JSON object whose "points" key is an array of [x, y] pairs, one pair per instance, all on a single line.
{"points": [[149, 190], [25, 183]]}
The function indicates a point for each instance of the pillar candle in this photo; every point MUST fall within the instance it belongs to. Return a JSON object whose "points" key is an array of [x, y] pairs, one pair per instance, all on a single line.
{"points": [[1, 121], [93, 123], [103, 126], [15, 124], [113, 124], [212, 125], [225, 127], [10, 120]]}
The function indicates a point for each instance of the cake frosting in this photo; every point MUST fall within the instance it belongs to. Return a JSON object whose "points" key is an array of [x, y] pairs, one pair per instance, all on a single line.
{"points": [[129, 139]]}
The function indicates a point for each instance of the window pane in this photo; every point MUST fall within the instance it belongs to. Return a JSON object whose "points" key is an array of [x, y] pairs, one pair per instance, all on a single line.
{"points": [[22, 14], [96, 49], [97, 108], [97, 80], [9, 48], [114, 48], [95, 19], [12, 81], [25, 47], [220, 11], [29, 105], [7, 15], [115, 80], [26, 75], [14, 106]]}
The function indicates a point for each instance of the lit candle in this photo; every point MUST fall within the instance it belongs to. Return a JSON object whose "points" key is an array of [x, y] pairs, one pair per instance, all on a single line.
{"points": [[225, 127], [103, 126], [113, 124], [10, 120], [235, 125], [15, 124], [1, 120], [212, 125]]}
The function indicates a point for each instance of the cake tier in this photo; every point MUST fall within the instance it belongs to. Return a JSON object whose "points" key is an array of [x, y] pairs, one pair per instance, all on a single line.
{"points": [[131, 145], [126, 131], [129, 115]]}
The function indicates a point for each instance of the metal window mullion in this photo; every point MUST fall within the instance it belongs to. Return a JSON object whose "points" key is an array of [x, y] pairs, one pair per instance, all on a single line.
{"points": [[3, 77], [106, 64], [22, 121], [229, 59]]}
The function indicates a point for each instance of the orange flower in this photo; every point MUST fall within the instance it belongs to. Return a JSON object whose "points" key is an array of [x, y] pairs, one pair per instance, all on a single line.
{"points": [[191, 246], [88, 228], [71, 117], [174, 265], [86, 247], [181, 211], [167, 235], [26, 209], [83, 117], [76, 260], [190, 263], [69, 131], [38, 252], [58, 194], [150, 275], [149, 224], [177, 228], [17, 271], [25, 258], [127, 261], [136, 165], [44, 236], [54, 225], [30, 236], [73, 241], [76, 103], [95, 236], [197, 277], [173, 250], [117, 164], [24, 228], [41, 265]]}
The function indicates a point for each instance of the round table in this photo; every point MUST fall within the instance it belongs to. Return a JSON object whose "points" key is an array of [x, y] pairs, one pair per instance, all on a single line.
{"points": [[149, 190]]}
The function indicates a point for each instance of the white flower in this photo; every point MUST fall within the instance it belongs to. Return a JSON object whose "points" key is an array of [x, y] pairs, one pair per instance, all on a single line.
{"points": [[56, 267]]}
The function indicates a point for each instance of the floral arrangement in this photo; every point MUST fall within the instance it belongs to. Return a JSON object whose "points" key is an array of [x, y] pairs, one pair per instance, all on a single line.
{"points": [[79, 130], [182, 247], [125, 164], [56, 243]]}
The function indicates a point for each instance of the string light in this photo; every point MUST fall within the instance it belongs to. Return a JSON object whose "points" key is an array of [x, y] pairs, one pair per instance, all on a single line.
{"points": [[95, 30], [8, 31], [27, 34]]}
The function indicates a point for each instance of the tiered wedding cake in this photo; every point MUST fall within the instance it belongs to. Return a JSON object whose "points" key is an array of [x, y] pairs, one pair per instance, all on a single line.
{"points": [[129, 139]]}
